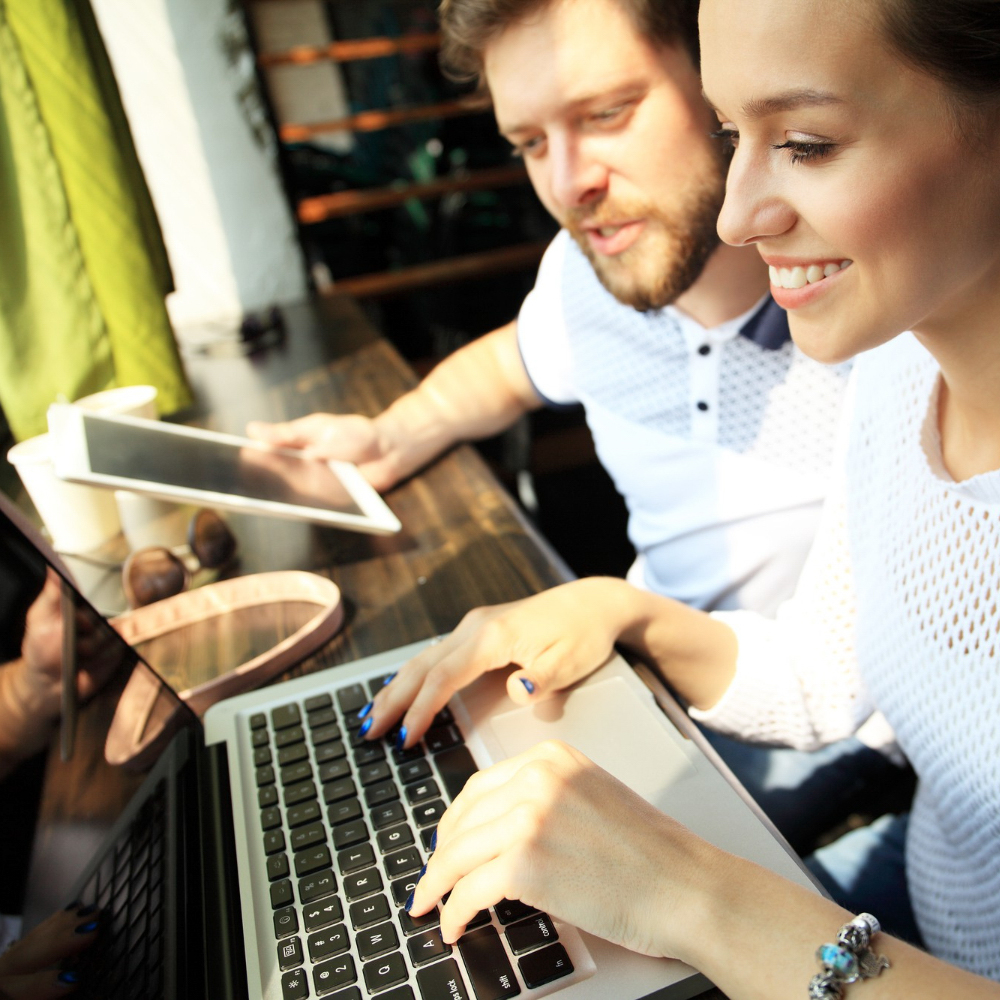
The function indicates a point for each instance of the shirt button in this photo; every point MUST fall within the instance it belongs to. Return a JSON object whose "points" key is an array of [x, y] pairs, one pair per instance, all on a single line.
{"points": [[702, 405], [704, 350]]}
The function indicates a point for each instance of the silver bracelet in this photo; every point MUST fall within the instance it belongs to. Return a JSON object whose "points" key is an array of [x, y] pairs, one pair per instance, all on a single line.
{"points": [[848, 959]]}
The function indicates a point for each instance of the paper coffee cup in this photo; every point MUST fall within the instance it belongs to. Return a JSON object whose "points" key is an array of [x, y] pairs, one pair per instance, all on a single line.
{"points": [[123, 401], [78, 518]]}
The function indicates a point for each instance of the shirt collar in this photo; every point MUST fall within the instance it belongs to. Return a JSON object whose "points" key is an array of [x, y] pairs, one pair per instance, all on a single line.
{"points": [[768, 326]]}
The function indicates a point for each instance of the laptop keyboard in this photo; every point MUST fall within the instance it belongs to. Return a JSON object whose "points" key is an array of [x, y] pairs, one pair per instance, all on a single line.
{"points": [[126, 961], [345, 829]]}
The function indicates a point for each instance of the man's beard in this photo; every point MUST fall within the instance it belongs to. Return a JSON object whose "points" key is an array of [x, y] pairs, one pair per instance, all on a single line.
{"points": [[670, 253]]}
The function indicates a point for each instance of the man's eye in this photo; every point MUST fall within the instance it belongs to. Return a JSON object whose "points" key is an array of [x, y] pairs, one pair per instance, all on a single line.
{"points": [[609, 114], [527, 148], [729, 137]]}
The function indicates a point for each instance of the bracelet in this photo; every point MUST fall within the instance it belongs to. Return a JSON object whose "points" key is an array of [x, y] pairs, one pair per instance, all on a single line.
{"points": [[847, 960]]}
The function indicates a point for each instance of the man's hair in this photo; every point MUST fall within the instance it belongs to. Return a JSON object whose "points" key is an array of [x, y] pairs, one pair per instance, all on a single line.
{"points": [[468, 26]]}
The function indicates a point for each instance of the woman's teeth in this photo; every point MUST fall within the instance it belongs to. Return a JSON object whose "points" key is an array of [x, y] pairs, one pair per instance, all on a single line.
{"points": [[799, 277]]}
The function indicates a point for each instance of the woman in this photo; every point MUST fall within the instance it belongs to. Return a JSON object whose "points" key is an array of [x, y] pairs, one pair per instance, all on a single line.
{"points": [[866, 170]]}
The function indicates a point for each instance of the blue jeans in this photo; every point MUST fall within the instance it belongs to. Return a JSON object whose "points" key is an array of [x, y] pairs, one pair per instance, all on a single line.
{"points": [[865, 871], [808, 793]]}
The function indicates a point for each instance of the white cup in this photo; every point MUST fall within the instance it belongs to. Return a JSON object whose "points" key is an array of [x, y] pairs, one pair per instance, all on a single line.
{"points": [[147, 521], [123, 401], [78, 518]]}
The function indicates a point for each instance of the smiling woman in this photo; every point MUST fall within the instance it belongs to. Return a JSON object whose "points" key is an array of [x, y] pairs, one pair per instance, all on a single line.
{"points": [[866, 170]]}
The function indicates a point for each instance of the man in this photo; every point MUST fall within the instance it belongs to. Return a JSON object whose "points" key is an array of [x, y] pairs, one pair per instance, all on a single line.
{"points": [[713, 428]]}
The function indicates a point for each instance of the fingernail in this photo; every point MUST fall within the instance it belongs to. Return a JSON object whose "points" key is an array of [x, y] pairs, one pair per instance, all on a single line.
{"points": [[366, 725], [87, 910], [409, 902], [401, 738], [73, 905], [87, 928], [388, 680], [68, 977], [365, 710], [528, 686], [434, 840]]}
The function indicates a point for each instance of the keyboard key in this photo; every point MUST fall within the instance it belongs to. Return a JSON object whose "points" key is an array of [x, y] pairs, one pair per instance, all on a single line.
{"points": [[316, 916], [406, 756], [265, 776], [299, 815], [325, 734], [352, 699], [369, 911], [444, 717], [403, 862], [541, 967], [302, 792], [396, 836], [385, 972], [355, 858], [427, 838], [348, 834], [322, 717], [277, 867], [294, 985], [262, 755], [482, 917], [416, 770], [442, 738], [531, 933], [376, 941], [421, 791], [261, 738], [274, 841], [371, 773], [413, 925], [387, 815], [455, 766], [381, 793], [330, 751], [270, 818], [308, 836], [362, 884], [285, 715], [428, 813], [334, 791], [334, 771], [316, 858], [401, 889], [258, 720], [370, 753], [427, 946], [327, 944], [510, 910], [343, 812], [301, 771], [334, 974], [289, 953], [353, 993], [267, 796], [318, 701], [317, 886], [281, 894], [292, 754], [487, 964], [442, 981], [286, 921], [377, 683], [289, 736]]}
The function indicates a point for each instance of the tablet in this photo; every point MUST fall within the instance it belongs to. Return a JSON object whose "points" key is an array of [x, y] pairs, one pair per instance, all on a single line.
{"points": [[191, 465]]}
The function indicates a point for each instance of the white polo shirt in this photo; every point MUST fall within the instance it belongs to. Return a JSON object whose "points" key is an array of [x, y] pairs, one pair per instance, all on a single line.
{"points": [[720, 443]]}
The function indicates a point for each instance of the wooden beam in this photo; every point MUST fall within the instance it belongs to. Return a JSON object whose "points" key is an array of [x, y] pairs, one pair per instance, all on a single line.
{"points": [[340, 203], [352, 50], [374, 121], [440, 272]]}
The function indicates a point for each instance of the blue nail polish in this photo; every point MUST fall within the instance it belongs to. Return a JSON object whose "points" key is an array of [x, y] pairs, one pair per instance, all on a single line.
{"points": [[528, 686], [365, 710], [434, 840], [401, 738], [409, 903], [68, 977], [422, 873], [388, 680], [366, 725], [87, 928], [87, 910]]}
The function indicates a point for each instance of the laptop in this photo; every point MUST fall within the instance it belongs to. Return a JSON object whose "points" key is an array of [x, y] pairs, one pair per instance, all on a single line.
{"points": [[268, 852]]}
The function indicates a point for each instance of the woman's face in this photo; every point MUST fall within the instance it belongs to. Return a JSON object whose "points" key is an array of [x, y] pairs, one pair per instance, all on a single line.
{"points": [[851, 176]]}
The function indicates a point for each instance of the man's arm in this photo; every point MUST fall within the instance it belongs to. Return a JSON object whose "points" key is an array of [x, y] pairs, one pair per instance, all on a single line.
{"points": [[478, 391]]}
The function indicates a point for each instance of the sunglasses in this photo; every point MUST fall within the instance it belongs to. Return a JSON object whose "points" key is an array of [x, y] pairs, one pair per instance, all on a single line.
{"points": [[156, 572]]}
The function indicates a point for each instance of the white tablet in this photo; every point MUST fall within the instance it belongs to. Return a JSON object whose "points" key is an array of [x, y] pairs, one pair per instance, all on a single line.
{"points": [[191, 465]]}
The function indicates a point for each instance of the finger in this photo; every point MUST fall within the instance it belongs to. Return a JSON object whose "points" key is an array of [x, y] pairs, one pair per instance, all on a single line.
{"points": [[483, 887], [389, 704], [47, 985], [56, 938]]}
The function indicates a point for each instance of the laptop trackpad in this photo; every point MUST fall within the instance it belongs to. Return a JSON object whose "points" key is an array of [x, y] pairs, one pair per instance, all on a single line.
{"points": [[610, 724]]}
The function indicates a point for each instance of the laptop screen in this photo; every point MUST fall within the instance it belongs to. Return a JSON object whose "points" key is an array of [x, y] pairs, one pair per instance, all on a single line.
{"points": [[76, 702]]}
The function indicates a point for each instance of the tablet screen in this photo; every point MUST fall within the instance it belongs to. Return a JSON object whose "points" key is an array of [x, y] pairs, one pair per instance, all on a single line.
{"points": [[156, 456]]}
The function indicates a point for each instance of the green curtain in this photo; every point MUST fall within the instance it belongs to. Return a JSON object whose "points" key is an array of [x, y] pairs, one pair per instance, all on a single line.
{"points": [[83, 269]]}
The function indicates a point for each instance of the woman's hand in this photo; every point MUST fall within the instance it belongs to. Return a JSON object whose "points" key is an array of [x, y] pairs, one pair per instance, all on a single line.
{"points": [[553, 830], [552, 639], [30, 968]]}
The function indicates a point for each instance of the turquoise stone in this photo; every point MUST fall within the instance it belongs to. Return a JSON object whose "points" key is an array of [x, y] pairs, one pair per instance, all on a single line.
{"points": [[839, 960]]}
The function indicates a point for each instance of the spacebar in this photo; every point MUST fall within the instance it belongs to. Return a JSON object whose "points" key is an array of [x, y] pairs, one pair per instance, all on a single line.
{"points": [[455, 766]]}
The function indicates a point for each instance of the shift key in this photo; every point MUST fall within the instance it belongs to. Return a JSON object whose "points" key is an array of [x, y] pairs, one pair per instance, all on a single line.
{"points": [[455, 766], [485, 958]]}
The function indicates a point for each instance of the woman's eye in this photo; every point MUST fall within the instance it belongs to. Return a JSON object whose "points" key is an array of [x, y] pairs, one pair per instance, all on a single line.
{"points": [[729, 137], [802, 152]]}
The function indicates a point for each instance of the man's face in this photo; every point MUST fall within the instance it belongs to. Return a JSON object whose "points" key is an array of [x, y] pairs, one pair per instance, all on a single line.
{"points": [[615, 137]]}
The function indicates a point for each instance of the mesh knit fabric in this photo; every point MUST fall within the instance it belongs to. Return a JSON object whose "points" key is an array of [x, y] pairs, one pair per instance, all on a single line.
{"points": [[899, 608]]}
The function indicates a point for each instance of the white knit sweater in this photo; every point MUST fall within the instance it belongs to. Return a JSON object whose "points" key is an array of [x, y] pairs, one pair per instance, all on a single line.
{"points": [[899, 608]]}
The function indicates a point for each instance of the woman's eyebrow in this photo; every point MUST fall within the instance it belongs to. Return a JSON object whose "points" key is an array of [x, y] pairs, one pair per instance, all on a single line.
{"points": [[790, 100]]}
